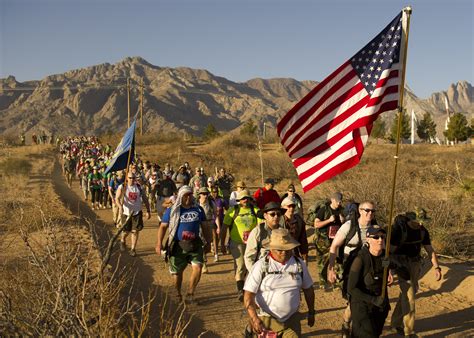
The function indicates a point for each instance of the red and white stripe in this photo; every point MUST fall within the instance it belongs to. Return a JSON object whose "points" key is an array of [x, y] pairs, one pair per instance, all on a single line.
{"points": [[325, 133]]}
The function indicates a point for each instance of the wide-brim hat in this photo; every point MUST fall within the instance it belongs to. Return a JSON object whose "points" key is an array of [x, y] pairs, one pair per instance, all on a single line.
{"points": [[280, 239], [240, 184], [203, 190], [419, 215], [288, 200], [268, 207], [243, 194]]}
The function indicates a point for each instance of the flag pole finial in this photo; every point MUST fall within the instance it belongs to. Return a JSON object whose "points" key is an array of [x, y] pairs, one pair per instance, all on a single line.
{"points": [[407, 9]]}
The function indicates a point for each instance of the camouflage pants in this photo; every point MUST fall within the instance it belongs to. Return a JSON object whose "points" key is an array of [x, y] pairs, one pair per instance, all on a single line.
{"points": [[322, 244]]}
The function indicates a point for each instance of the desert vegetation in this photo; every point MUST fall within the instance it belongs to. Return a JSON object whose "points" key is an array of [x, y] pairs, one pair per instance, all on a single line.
{"points": [[51, 280]]}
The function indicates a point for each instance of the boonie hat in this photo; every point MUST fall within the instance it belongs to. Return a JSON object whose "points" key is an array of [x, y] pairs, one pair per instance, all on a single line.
{"points": [[203, 190], [289, 200], [280, 239], [243, 194], [240, 184], [419, 215]]}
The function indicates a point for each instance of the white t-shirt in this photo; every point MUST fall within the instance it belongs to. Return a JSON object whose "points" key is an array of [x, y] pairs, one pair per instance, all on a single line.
{"points": [[233, 199], [132, 202], [278, 294], [344, 231]]}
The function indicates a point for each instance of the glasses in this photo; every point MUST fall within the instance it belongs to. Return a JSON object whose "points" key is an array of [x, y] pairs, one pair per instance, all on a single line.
{"points": [[291, 206], [273, 214], [377, 237], [368, 210]]}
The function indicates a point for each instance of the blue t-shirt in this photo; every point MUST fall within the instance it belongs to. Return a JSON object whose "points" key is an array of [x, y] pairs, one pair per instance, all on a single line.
{"points": [[189, 222]]}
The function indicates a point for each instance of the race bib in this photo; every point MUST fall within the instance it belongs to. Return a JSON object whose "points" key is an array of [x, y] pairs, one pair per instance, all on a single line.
{"points": [[188, 235], [332, 231], [132, 196]]}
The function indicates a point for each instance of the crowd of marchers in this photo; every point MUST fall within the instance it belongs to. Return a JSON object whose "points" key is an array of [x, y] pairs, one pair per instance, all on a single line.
{"points": [[203, 217]]}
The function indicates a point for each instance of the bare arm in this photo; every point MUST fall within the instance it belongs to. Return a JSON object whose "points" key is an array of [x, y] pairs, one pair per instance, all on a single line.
{"points": [[319, 224], [251, 307], [309, 298], [434, 260], [336, 244], [161, 234]]}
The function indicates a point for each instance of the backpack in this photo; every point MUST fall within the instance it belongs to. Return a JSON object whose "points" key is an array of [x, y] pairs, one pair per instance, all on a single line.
{"points": [[402, 222], [314, 210], [347, 262], [265, 269], [237, 212]]}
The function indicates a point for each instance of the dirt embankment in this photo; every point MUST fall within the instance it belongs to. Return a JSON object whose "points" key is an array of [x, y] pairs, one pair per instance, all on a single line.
{"points": [[443, 309]]}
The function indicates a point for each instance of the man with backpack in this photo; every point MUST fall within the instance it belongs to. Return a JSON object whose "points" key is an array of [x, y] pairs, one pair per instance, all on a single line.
{"points": [[240, 219], [272, 289], [408, 237], [271, 214], [350, 236], [329, 218]]}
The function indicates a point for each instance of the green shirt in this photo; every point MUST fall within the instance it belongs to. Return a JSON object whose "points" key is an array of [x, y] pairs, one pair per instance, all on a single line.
{"points": [[243, 224]]}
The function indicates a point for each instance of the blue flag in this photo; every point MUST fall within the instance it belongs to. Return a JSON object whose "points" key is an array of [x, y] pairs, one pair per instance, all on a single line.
{"points": [[120, 157]]}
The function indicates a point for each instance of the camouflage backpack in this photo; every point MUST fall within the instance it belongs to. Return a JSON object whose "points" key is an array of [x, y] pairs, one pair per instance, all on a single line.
{"points": [[314, 209]]}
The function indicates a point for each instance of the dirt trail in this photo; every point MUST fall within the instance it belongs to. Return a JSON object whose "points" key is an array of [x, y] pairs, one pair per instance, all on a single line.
{"points": [[443, 309]]}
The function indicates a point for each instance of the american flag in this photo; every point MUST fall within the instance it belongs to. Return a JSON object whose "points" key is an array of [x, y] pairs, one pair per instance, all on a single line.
{"points": [[325, 133]]}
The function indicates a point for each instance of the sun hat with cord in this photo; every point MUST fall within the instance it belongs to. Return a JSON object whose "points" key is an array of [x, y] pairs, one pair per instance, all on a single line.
{"points": [[243, 194], [280, 239]]}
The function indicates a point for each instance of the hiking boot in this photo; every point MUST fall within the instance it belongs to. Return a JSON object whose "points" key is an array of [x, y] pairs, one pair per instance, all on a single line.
{"points": [[133, 253], [123, 246], [204, 268]]}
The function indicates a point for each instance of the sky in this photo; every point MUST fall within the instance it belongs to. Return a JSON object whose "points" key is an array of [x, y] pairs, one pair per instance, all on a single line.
{"points": [[238, 40]]}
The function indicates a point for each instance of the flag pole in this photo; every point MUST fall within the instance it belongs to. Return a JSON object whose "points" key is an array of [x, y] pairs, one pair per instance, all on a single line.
{"points": [[128, 102], [108, 252], [141, 107], [406, 29]]}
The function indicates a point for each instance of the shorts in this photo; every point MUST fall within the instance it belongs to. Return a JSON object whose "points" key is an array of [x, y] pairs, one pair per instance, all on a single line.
{"points": [[179, 259], [133, 223]]}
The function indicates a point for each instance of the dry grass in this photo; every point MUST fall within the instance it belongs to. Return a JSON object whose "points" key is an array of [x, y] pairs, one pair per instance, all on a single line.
{"points": [[439, 179], [51, 280]]}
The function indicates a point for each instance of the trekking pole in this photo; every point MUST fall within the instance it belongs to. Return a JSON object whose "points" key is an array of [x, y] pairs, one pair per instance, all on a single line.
{"points": [[108, 252], [406, 29]]}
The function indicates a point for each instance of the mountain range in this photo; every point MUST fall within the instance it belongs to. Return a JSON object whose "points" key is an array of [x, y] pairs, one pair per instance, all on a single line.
{"points": [[93, 100]]}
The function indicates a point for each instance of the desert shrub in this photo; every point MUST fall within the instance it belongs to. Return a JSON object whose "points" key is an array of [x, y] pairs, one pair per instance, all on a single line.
{"points": [[15, 166]]}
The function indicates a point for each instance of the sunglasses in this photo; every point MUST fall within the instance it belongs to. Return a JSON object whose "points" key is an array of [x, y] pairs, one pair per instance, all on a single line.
{"points": [[291, 191], [377, 237], [368, 210], [292, 206], [273, 214]]}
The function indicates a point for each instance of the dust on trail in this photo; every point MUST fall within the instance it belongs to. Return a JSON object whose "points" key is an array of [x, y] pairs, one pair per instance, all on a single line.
{"points": [[447, 311]]}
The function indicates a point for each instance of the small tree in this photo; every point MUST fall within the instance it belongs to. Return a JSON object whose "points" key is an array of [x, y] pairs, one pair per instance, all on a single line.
{"points": [[426, 129], [458, 130], [249, 128], [379, 129], [405, 129], [210, 132]]}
